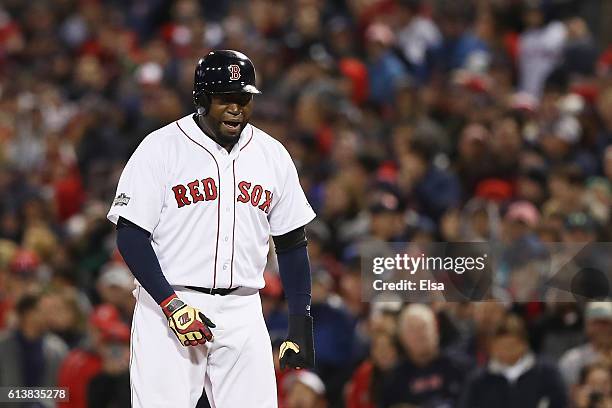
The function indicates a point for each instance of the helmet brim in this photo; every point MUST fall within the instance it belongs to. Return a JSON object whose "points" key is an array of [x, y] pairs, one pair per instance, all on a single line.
{"points": [[250, 89], [245, 89]]}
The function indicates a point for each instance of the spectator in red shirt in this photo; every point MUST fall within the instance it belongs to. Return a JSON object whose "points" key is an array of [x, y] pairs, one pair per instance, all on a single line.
{"points": [[81, 365], [364, 389]]}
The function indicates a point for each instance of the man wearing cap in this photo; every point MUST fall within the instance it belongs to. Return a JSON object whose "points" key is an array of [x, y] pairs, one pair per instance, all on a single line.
{"points": [[305, 389], [580, 227], [598, 329]]}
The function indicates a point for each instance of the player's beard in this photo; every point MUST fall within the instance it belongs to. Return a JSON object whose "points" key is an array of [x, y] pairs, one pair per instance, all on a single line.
{"points": [[215, 132], [227, 140]]}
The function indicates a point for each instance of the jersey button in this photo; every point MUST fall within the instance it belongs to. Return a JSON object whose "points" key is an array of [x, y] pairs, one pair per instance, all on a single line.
{"points": [[226, 238]]}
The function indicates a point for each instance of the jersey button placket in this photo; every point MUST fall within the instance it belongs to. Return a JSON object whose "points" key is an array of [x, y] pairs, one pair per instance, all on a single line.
{"points": [[227, 220]]}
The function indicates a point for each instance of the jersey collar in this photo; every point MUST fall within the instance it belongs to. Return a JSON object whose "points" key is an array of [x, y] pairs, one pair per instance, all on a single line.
{"points": [[191, 130]]}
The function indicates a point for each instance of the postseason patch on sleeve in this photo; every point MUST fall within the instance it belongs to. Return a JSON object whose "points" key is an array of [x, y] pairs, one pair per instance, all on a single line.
{"points": [[121, 199]]}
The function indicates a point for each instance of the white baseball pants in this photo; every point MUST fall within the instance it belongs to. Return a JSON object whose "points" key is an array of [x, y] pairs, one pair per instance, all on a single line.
{"points": [[236, 368]]}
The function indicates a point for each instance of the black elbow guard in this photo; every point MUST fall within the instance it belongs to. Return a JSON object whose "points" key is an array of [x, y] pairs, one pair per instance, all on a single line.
{"points": [[292, 239]]}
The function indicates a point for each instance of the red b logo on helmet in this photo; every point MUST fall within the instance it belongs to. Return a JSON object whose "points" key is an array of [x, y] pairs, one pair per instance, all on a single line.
{"points": [[234, 72]]}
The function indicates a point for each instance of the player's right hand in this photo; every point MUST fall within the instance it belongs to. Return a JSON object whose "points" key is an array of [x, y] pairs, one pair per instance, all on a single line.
{"points": [[189, 325]]}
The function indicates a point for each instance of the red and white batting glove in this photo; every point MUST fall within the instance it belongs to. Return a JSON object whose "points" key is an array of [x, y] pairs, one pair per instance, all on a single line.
{"points": [[189, 325]]}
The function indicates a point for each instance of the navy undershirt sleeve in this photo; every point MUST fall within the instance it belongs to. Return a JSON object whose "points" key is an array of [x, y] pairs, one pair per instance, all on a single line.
{"points": [[135, 248], [294, 270]]}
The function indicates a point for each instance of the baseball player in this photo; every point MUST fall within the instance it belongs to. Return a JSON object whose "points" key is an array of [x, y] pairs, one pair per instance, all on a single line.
{"points": [[195, 207]]}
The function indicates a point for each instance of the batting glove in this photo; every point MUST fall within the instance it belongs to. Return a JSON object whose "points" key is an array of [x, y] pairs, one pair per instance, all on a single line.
{"points": [[189, 325], [298, 350]]}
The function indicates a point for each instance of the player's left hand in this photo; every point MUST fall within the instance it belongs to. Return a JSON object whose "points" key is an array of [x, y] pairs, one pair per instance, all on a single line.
{"points": [[189, 325], [297, 350]]}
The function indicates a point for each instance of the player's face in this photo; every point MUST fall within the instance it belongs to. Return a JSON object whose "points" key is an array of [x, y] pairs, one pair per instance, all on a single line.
{"points": [[229, 114]]}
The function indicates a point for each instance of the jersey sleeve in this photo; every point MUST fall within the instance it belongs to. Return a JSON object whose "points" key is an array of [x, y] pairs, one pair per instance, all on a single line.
{"points": [[140, 192], [292, 209]]}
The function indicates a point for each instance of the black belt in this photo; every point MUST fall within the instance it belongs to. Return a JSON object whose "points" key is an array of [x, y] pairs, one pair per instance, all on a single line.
{"points": [[209, 291]]}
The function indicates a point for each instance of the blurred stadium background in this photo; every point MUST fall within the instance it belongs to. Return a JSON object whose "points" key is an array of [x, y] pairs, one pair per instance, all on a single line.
{"points": [[408, 120]]}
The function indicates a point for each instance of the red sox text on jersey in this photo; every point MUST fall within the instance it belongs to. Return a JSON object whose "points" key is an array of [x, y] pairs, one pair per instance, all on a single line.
{"points": [[206, 190]]}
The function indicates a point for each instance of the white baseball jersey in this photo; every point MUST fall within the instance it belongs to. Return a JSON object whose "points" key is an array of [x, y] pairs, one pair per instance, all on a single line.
{"points": [[211, 212], [540, 50]]}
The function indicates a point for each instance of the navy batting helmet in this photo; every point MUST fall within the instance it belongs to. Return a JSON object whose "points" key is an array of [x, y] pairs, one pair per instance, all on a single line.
{"points": [[223, 71]]}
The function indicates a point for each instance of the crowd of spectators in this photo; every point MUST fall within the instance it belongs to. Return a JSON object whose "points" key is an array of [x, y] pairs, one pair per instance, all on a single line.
{"points": [[408, 120]]}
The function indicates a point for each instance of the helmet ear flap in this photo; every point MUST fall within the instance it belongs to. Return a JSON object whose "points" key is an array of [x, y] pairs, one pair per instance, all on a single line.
{"points": [[202, 102]]}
